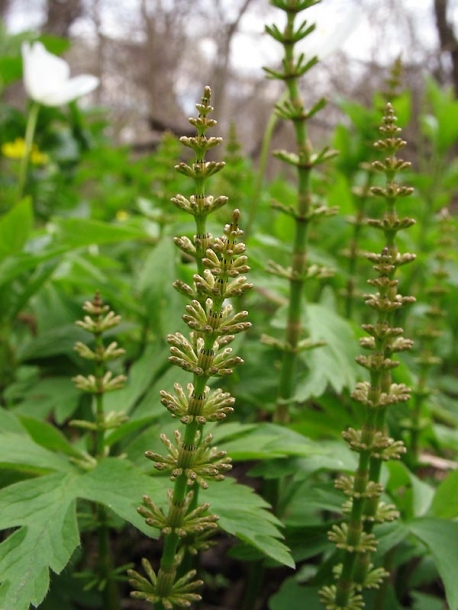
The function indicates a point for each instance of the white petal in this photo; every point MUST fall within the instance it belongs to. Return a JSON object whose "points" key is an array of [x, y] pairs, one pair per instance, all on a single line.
{"points": [[43, 72], [46, 77], [71, 90]]}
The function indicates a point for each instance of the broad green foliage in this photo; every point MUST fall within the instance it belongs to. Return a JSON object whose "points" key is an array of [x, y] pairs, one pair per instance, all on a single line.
{"points": [[252, 522], [441, 538], [44, 510]]}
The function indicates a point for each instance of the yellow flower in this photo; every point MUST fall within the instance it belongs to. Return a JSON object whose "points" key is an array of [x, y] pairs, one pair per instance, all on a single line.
{"points": [[16, 150], [37, 157], [122, 215]]}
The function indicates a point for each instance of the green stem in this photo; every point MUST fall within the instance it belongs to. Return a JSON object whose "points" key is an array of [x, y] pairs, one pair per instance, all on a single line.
{"points": [[201, 234], [299, 255], [29, 135], [110, 588], [415, 425], [356, 524], [379, 602], [99, 406], [110, 591], [168, 568], [253, 587]]}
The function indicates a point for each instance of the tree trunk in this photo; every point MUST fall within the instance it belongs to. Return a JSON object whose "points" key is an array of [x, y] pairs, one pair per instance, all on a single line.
{"points": [[447, 38], [222, 65], [61, 15]]}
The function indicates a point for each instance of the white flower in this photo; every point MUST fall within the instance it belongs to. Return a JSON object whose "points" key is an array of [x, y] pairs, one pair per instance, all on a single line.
{"points": [[47, 77]]}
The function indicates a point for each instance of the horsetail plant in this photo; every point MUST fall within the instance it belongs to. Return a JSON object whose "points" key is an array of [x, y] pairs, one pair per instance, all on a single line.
{"points": [[372, 443], [199, 205], [361, 196], [293, 108], [99, 320], [186, 525]]}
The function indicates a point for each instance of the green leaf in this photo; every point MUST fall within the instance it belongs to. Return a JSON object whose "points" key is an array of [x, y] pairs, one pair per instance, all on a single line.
{"points": [[293, 596], [21, 453], [309, 498], [445, 110], [403, 108], [162, 303], [263, 441], [120, 486], [53, 342], [426, 602], [9, 422], [53, 394], [45, 511], [340, 195], [127, 428], [48, 436], [390, 535], [10, 69], [412, 496], [441, 538], [389, 601], [308, 541], [332, 455], [15, 227], [15, 265], [141, 376], [163, 377], [334, 363], [34, 283], [331, 414], [79, 232], [246, 515], [445, 501], [55, 44]]}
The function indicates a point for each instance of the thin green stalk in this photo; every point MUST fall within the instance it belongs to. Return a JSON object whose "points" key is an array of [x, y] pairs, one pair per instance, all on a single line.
{"points": [[168, 567], [99, 320], [296, 293], [29, 135], [299, 254], [291, 107], [355, 537], [388, 563], [110, 592], [99, 371]]}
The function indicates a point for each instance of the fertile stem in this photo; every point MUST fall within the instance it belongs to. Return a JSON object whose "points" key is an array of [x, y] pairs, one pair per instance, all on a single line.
{"points": [[99, 320], [373, 445], [191, 459]]}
